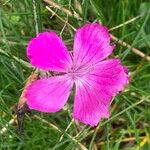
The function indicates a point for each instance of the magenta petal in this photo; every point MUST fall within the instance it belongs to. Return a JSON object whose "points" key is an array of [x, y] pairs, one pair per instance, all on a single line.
{"points": [[92, 44], [88, 106], [95, 90], [49, 95], [47, 51]]}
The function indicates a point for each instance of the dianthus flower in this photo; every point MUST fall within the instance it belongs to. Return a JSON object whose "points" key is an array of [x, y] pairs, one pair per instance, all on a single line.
{"points": [[96, 79]]}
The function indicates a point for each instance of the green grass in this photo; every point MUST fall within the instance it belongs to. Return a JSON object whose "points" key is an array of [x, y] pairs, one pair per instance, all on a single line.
{"points": [[129, 124]]}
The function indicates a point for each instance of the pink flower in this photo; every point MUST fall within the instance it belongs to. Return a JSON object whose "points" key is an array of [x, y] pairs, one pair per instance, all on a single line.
{"points": [[96, 80]]}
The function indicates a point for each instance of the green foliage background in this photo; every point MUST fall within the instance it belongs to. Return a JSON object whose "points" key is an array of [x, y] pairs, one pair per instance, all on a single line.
{"points": [[129, 124]]}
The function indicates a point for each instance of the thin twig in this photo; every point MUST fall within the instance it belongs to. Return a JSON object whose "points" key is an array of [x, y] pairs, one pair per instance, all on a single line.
{"points": [[64, 21], [136, 51], [66, 11]]}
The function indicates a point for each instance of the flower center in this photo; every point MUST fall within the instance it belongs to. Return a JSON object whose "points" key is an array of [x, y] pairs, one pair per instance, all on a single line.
{"points": [[76, 73]]}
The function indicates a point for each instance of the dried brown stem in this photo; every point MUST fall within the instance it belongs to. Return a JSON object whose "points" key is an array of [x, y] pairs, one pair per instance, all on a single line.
{"points": [[64, 21], [66, 11], [136, 51]]}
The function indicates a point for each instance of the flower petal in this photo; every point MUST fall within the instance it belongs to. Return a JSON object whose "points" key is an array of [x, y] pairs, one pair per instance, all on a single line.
{"points": [[47, 51], [95, 90], [49, 95], [92, 44]]}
